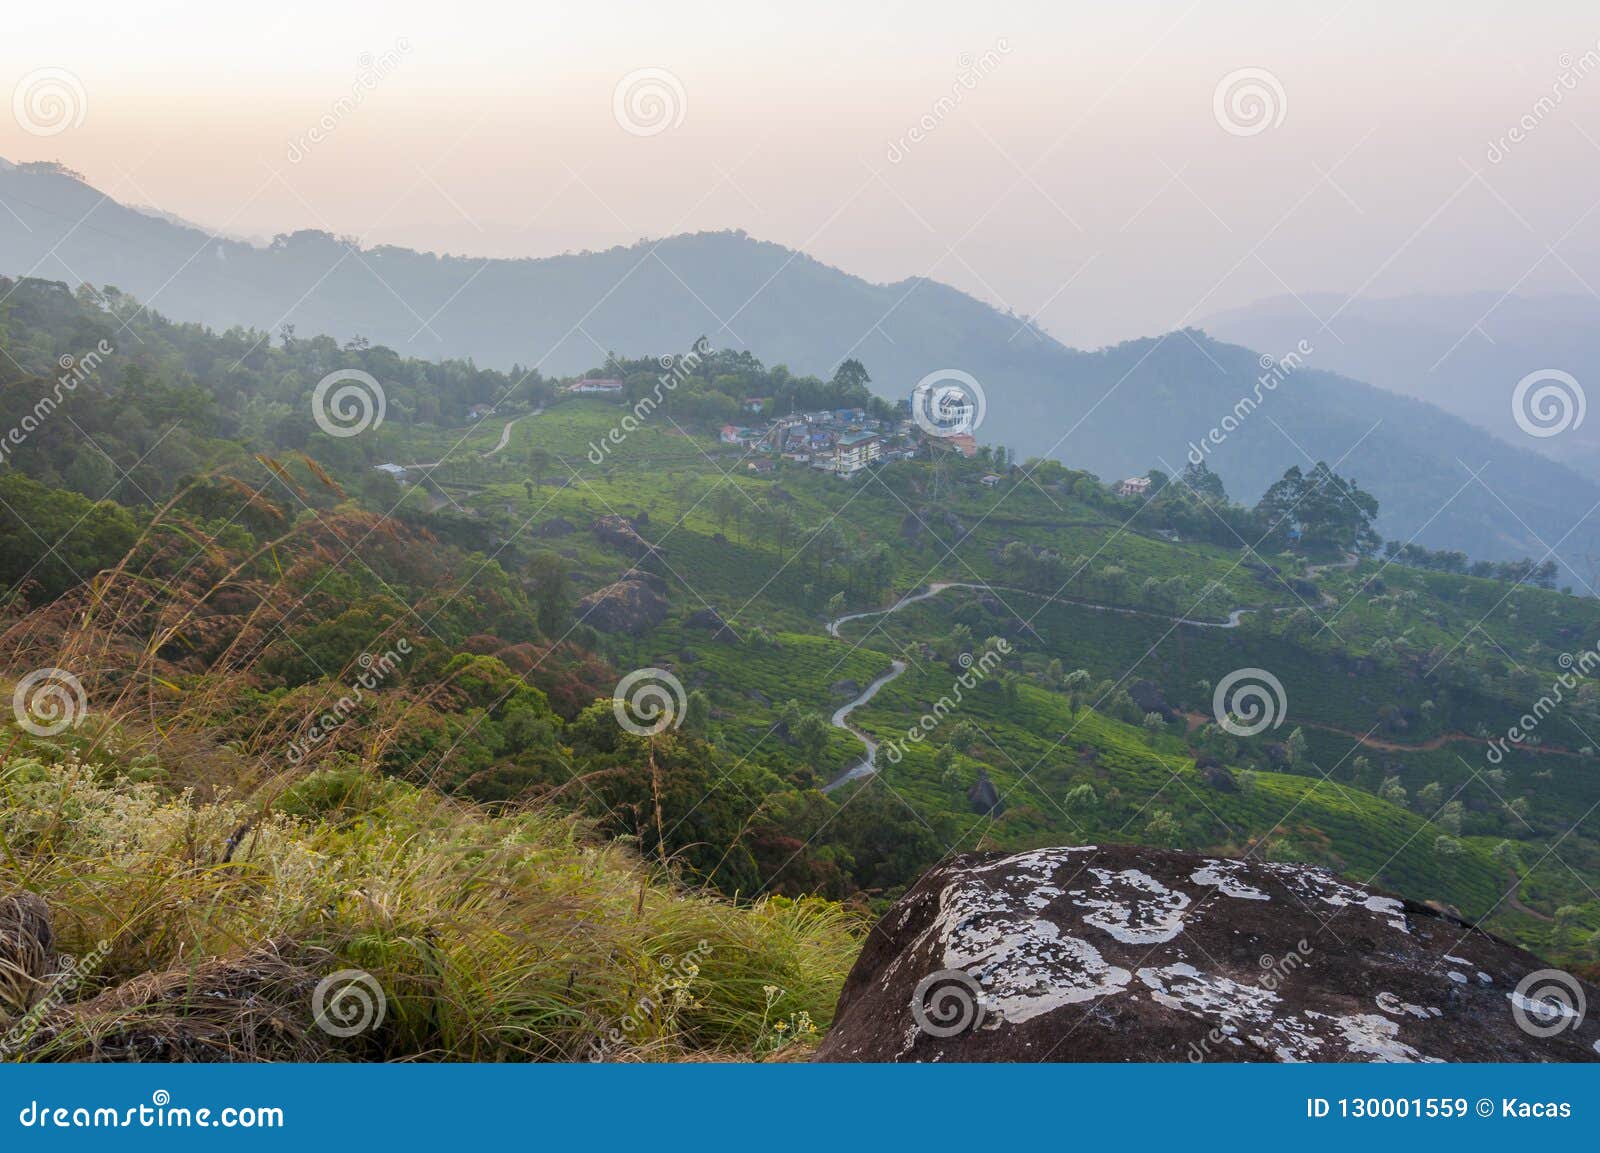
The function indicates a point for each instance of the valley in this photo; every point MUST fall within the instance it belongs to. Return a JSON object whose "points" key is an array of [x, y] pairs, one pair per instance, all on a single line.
{"points": [[1028, 656]]}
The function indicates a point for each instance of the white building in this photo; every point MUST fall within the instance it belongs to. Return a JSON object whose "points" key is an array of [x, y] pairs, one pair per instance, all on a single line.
{"points": [[850, 453]]}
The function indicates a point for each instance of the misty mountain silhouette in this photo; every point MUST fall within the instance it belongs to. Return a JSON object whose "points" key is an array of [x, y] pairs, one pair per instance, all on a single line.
{"points": [[1142, 404]]}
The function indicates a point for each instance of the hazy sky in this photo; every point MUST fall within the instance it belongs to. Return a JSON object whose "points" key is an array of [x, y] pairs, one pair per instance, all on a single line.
{"points": [[1085, 175]]}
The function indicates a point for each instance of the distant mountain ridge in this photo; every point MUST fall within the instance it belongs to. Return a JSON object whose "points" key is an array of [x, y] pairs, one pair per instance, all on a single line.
{"points": [[1464, 352], [1116, 411]]}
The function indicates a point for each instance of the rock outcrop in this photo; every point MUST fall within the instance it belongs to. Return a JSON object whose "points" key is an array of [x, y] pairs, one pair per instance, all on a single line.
{"points": [[1121, 953], [633, 605], [622, 533], [984, 797]]}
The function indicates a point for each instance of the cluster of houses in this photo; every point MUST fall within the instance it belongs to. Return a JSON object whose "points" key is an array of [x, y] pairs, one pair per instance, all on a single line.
{"points": [[840, 441]]}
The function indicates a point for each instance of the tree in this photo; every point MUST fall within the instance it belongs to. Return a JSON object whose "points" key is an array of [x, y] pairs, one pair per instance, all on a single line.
{"points": [[1319, 508], [1081, 797], [724, 505], [1393, 791], [538, 462], [1115, 580], [811, 735], [551, 598], [697, 714], [1162, 829], [851, 376], [1205, 484]]}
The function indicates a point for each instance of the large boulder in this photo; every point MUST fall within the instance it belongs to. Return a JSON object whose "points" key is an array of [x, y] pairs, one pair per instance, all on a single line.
{"points": [[622, 533], [1121, 953], [984, 797], [633, 605]]}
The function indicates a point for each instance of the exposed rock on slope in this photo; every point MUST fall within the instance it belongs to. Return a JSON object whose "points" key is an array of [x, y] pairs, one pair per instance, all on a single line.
{"points": [[1123, 953], [622, 533], [632, 605]]}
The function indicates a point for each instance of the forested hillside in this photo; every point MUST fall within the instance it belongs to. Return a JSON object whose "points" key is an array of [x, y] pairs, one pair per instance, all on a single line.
{"points": [[1116, 411]]}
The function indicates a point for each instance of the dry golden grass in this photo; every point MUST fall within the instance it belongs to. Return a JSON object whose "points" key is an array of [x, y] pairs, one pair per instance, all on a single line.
{"points": [[215, 886]]}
